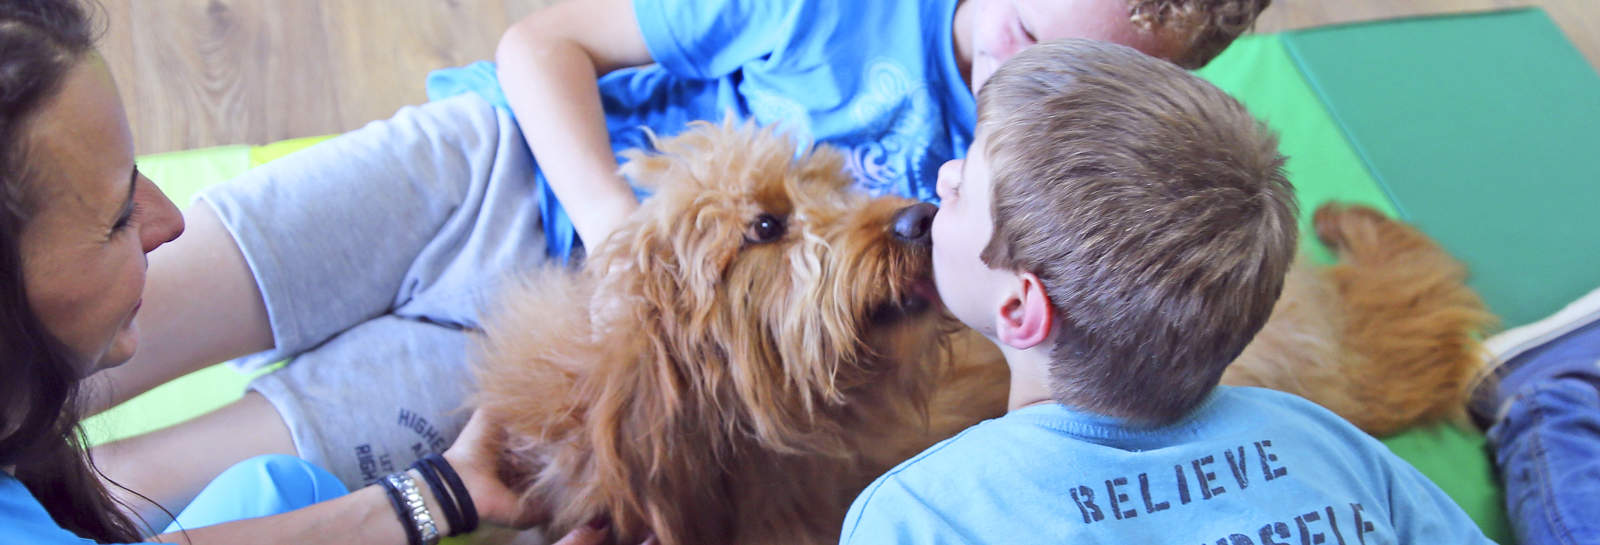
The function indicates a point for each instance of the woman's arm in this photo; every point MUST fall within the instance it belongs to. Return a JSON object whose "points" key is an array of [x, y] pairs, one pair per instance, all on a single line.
{"points": [[549, 64], [366, 516], [363, 516]]}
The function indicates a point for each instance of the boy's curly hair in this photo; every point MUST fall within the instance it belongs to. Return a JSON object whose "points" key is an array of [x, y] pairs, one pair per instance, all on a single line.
{"points": [[1208, 25], [1154, 210]]}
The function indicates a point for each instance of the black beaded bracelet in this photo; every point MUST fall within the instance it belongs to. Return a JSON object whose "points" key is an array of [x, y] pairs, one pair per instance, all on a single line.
{"points": [[413, 535], [446, 498], [469, 510]]}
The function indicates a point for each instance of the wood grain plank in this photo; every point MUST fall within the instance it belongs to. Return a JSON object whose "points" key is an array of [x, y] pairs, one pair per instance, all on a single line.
{"points": [[1578, 19], [197, 73], [116, 47], [382, 74]]}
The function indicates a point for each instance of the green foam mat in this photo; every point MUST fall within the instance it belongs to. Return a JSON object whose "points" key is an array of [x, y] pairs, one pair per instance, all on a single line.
{"points": [[1482, 129], [1257, 70], [1323, 165]]}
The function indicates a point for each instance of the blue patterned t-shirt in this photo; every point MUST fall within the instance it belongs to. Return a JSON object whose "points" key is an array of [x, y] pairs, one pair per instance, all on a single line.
{"points": [[878, 79]]}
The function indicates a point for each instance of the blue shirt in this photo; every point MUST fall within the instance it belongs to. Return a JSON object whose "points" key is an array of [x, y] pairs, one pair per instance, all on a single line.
{"points": [[1250, 466], [878, 79]]}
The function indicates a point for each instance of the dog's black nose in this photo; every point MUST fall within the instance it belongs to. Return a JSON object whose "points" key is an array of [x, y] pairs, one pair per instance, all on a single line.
{"points": [[912, 223]]}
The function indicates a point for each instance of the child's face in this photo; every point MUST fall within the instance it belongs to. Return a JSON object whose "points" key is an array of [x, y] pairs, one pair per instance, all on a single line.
{"points": [[1001, 28], [961, 229]]}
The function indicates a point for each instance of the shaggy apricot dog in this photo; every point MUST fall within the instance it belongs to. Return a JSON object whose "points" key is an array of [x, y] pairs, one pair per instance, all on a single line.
{"points": [[759, 342]]}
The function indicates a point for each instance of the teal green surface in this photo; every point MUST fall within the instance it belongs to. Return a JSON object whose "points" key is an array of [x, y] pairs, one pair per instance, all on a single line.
{"points": [[1324, 166], [1482, 128]]}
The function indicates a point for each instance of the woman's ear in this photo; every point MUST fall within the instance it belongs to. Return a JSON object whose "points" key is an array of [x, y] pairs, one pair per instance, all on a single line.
{"points": [[1025, 315]]}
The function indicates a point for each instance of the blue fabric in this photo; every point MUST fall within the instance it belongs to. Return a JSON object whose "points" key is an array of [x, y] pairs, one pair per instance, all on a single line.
{"points": [[878, 79], [24, 520], [258, 487], [1250, 466], [1548, 442]]}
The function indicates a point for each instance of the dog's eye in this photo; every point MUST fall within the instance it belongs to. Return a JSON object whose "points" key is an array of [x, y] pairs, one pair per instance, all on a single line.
{"points": [[765, 228]]}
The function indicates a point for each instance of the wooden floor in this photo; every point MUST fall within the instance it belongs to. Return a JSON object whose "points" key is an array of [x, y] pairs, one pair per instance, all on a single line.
{"points": [[196, 73]]}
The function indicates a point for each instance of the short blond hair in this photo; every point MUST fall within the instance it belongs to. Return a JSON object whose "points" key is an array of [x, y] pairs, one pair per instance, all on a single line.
{"points": [[1205, 26], [1155, 211]]}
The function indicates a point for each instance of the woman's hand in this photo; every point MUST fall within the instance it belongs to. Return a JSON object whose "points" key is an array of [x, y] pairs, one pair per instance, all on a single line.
{"points": [[476, 457]]}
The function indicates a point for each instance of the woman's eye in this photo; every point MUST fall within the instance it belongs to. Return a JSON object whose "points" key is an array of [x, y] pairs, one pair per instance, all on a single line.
{"points": [[126, 219], [765, 228]]}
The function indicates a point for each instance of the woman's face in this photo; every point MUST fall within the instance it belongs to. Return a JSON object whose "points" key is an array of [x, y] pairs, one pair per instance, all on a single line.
{"points": [[96, 217]]}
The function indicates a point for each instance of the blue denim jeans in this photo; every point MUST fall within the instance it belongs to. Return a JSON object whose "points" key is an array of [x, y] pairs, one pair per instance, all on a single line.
{"points": [[1548, 450]]}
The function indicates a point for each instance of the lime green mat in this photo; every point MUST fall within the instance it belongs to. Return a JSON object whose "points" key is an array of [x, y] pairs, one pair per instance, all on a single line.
{"points": [[1483, 130]]}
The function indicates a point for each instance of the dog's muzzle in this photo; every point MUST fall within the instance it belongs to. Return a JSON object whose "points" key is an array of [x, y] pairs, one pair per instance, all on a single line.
{"points": [[911, 224]]}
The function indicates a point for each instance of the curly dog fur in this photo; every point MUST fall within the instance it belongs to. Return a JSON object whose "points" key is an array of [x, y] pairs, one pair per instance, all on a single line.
{"points": [[757, 345]]}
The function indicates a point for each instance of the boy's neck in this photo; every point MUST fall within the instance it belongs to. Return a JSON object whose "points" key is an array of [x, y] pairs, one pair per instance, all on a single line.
{"points": [[1030, 376]]}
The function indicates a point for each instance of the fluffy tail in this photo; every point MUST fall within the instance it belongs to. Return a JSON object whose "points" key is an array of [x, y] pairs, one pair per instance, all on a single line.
{"points": [[1411, 326]]}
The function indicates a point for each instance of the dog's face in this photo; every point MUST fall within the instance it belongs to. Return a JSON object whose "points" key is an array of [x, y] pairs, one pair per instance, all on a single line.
{"points": [[774, 285]]}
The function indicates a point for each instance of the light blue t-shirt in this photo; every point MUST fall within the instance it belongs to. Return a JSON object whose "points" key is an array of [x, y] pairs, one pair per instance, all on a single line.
{"points": [[1249, 467], [876, 78]]}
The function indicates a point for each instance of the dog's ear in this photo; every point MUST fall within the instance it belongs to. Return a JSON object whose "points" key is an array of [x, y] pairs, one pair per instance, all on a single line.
{"points": [[826, 166], [692, 157], [654, 265]]}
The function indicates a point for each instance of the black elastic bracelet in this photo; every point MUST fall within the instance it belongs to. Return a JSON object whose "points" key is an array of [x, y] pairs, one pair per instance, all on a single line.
{"points": [[413, 535], [469, 511], [444, 495]]}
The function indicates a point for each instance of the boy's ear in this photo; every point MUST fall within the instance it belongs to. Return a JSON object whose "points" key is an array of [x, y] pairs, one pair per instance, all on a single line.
{"points": [[1025, 314]]}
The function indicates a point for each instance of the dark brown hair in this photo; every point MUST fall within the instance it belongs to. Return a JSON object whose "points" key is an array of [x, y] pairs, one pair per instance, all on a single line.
{"points": [[41, 41], [1207, 26], [1153, 208]]}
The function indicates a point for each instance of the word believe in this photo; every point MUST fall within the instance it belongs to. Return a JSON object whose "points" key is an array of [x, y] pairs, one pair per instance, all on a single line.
{"points": [[1196, 480]]}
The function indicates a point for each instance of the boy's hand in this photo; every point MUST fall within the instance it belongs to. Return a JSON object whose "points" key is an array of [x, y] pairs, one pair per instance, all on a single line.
{"points": [[597, 216]]}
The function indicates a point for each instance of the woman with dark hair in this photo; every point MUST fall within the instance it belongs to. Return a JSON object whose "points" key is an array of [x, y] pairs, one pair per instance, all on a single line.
{"points": [[76, 222]]}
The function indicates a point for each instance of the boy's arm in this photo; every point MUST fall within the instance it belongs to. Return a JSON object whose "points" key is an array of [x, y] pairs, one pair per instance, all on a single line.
{"points": [[880, 514], [1423, 513], [549, 64]]}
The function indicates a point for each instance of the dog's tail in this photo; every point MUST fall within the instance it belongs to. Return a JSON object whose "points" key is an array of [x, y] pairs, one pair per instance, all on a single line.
{"points": [[1412, 329]]}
